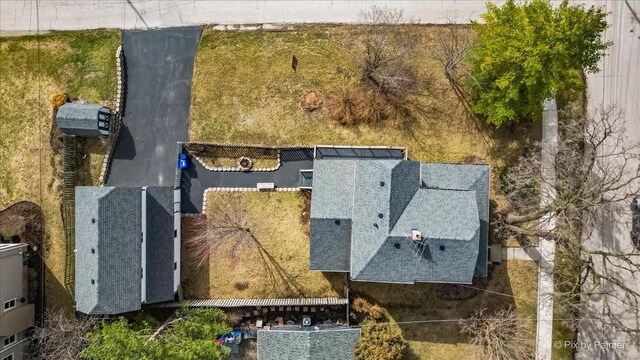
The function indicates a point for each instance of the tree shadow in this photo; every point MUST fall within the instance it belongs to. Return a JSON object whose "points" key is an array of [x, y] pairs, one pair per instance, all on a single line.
{"points": [[195, 280], [56, 295], [278, 274], [425, 315]]}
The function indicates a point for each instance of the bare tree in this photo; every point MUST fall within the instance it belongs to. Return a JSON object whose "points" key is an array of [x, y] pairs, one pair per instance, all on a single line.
{"points": [[226, 224], [500, 336], [61, 336], [595, 180], [385, 53], [453, 43], [226, 230]]}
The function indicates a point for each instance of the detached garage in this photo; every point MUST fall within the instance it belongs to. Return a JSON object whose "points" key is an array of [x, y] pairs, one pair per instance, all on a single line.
{"points": [[89, 120]]}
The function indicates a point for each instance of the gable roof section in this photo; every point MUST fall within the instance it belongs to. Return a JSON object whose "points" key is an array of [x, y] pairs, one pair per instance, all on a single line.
{"points": [[108, 250], [80, 119], [387, 199], [303, 344], [159, 244], [465, 177]]}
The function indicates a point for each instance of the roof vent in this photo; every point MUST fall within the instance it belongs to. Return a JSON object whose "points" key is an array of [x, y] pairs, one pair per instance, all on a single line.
{"points": [[93, 221], [306, 320], [416, 235], [381, 183]]}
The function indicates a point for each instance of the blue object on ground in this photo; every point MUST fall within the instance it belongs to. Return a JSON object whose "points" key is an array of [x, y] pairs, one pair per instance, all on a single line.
{"points": [[183, 163]]}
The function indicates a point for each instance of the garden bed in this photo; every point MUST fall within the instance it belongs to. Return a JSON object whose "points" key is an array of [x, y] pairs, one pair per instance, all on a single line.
{"points": [[274, 265], [236, 157]]}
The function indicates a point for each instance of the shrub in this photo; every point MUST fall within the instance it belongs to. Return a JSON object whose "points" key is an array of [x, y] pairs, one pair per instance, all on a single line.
{"points": [[58, 100], [359, 105], [380, 342], [361, 305]]}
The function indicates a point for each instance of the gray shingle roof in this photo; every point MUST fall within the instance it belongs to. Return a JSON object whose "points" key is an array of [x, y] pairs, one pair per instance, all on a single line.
{"points": [[109, 226], [304, 344], [108, 250], [465, 177], [388, 199], [81, 119], [159, 244]]}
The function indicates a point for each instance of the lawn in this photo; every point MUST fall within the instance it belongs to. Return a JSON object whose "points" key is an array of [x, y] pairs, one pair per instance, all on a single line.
{"points": [[81, 64], [513, 283], [246, 92], [273, 264]]}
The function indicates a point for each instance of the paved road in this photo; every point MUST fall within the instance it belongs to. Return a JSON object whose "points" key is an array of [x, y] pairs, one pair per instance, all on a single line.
{"points": [[618, 83], [20, 15], [159, 68], [196, 179]]}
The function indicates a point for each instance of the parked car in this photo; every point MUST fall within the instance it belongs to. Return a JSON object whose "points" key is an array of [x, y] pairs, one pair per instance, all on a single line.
{"points": [[635, 222]]}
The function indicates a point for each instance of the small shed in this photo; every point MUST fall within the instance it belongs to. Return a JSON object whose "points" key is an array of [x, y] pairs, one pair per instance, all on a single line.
{"points": [[90, 120]]}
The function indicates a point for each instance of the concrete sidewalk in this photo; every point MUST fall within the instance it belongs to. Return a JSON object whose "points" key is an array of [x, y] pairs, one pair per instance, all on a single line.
{"points": [[547, 248]]}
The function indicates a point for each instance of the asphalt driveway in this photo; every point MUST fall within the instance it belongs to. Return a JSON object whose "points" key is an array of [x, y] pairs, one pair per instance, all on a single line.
{"points": [[196, 179], [159, 69]]}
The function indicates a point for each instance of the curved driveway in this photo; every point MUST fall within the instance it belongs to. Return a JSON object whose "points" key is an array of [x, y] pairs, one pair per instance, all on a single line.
{"points": [[159, 69]]}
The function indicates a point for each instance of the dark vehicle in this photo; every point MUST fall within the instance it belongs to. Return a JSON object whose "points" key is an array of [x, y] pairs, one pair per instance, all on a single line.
{"points": [[635, 222]]}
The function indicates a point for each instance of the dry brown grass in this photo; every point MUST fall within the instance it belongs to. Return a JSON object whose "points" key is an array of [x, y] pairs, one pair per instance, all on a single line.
{"points": [[443, 340], [80, 64], [245, 92], [277, 266]]}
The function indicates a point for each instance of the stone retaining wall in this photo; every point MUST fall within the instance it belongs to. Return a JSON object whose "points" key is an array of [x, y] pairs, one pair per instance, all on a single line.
{"points": [[116, 121]]}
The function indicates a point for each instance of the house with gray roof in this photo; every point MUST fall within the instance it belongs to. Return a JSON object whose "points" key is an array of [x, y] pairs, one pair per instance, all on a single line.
{"points": [[400, 221], [127, 248], [89, 120], [307, 343]]}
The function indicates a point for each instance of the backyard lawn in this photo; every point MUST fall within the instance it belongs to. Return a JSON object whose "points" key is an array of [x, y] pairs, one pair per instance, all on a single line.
{"points": [[81, 64], [515, 280], [273, 263]]}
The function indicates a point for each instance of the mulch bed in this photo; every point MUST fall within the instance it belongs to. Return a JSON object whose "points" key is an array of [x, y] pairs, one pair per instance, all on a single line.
{"points": [[23, 222]]}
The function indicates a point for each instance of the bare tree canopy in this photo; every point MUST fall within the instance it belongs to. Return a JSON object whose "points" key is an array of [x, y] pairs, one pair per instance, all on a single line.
{"points": [[453, 43], [595, 176], [61, 336], [502, 336], [225, 224], [384, 58]]}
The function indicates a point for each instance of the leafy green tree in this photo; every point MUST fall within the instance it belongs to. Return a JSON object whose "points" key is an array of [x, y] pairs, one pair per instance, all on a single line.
{"points": [[528, 51], [190, 335]]}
